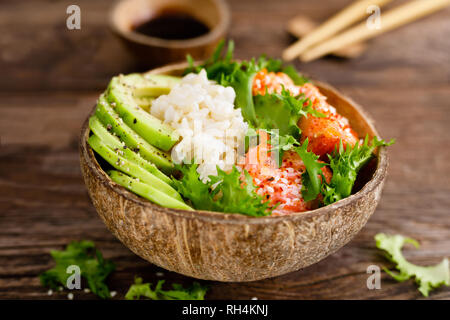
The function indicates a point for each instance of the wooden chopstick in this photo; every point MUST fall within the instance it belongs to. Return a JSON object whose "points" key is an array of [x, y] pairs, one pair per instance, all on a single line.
{"points": [[390, 20], [301, 25], [338, 22]]}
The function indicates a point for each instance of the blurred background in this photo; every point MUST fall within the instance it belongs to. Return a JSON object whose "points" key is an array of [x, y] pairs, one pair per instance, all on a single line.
{"points": [[52, 76]]}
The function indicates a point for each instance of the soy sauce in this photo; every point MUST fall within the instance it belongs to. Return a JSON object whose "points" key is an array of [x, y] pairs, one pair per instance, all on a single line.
{"points": [[172, 25]]}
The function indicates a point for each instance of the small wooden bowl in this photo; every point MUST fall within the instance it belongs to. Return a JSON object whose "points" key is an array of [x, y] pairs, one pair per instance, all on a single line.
{"points": [[234, 247], [153, 51]]}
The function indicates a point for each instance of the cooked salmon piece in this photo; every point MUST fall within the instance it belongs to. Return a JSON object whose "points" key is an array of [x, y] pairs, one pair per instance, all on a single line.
{"points": [[280, 186], [323, 134], [273, 82]]}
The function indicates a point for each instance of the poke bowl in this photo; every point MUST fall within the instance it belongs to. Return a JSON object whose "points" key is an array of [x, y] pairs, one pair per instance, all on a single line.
{"points": [[230, 247]]}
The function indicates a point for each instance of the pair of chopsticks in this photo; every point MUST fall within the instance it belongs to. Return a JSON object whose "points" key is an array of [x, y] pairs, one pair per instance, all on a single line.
{"points": [[321, 42]]}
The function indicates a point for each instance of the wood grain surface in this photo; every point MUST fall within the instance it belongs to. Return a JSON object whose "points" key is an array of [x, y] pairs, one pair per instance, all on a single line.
{"points": [[51, 77]]}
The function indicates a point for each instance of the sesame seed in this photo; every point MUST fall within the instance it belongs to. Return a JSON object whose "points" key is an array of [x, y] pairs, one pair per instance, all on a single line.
{"points": [[70, 296], [254, 298], [50, 292], [159, 274], [86, 290], [113, 293]]}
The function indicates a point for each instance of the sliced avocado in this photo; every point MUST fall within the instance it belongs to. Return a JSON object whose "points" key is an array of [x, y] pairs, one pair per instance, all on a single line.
{"points": [[153, 130], [148, 85], [112, 121], [146, 191], [121, 149], [144, 102], [155, 85], [124, 165]]}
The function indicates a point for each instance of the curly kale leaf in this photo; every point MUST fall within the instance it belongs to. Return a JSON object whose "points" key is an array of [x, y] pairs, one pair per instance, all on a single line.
{"points": [[225, 192], [345, 164], [144, 290], [312, 178], [93, 267], [191, 187], [282, 111]]}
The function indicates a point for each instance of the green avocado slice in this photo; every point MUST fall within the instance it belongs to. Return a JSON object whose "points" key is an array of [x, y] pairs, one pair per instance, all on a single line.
{"points": [[120, 148], [111, 119], [120, 95], [126, 166], [146, 191], [149, 85]]}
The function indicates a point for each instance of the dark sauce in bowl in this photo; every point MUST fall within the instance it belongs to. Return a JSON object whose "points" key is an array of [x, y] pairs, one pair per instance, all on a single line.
{"points": [[172, 25]]}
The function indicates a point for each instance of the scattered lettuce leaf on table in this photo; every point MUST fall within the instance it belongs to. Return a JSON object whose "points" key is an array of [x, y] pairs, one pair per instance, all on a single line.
{"points": [[225, 192], [144, 290], [94, 268], [427, 278]]}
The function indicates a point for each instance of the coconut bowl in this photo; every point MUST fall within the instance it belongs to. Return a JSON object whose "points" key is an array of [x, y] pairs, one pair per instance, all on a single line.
{"points": [[234, 247]]}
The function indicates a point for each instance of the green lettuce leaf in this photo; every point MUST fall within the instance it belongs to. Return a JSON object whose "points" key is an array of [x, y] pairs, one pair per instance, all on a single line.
{"points": [[298, 78], [93, 267], [281, 143], [242, 82], [312, 178], [191, 187], [282, 112], [345, 164], [143, 290], [225, 192], [427, 278]]}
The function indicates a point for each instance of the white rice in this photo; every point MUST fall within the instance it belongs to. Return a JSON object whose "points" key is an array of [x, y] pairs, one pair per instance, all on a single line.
{"points": [[203, 113]]}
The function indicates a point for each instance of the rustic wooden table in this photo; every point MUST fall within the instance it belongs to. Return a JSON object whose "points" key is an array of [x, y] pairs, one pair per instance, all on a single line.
{"points": [[51, 77]]}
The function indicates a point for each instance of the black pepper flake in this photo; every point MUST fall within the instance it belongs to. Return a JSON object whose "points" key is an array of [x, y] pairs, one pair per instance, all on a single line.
{"points": [[109, 127], [124, 147], [134, 121], [270, 179]]}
